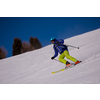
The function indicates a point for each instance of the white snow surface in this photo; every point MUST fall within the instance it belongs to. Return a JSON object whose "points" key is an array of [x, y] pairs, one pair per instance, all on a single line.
{"points": [[35, 67]]}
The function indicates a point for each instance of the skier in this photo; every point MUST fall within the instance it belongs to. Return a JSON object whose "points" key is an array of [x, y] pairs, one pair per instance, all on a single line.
{"points": [[58, 46]]}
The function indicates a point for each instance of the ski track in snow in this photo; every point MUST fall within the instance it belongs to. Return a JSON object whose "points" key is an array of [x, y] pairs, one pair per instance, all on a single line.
{"points": [[35, 67]]}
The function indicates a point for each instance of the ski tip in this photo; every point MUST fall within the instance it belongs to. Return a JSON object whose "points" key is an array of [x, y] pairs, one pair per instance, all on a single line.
{"points": [[53, 72]]}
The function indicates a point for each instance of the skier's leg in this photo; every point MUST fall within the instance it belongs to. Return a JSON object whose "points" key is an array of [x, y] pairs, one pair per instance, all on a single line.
{"points": [[69, 57], [61, 58]]}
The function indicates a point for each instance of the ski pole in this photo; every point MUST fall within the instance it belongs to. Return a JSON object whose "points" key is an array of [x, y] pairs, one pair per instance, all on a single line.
{"points": [[57, 60], [72, 46]]}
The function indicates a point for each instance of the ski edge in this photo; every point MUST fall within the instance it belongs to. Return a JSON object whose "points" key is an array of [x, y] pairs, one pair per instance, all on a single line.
{"points": [[63, 69]]}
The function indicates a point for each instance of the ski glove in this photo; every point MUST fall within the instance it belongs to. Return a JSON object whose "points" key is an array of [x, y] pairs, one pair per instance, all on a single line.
{"points": [[52, 58]]}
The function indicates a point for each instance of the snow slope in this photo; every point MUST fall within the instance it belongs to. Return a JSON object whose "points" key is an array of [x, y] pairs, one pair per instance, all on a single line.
{"points": [[35, 67]]}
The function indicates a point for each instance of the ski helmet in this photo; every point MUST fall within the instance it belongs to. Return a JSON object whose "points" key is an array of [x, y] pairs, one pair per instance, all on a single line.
{"points": [[52, 39]]}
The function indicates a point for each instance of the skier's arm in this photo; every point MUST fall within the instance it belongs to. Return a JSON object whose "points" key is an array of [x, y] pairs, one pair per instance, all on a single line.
{"points": [[56, 53]]}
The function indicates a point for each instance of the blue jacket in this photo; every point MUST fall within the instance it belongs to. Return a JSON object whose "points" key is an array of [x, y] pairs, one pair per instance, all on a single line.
{"points": [[59, 47]]}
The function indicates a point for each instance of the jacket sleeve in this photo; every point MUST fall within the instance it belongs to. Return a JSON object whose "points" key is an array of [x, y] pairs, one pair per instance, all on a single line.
{"points": [[56, 52]]}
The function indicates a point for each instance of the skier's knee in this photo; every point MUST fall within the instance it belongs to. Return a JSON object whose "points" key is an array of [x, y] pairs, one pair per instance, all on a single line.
{"points": [[59, 59]]}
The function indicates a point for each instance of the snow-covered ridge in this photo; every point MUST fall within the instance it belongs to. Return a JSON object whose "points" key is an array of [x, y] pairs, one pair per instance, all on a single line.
{"points": [[36, 66]]}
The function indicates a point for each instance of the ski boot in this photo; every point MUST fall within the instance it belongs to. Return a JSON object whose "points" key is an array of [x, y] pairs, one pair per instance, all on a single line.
{"points": [[68, 64], [77, 62]]}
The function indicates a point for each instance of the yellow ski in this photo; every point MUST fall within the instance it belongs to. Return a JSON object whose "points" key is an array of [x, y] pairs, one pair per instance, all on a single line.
{"points": [[62, 69], [65, 68], [58, 71]]}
